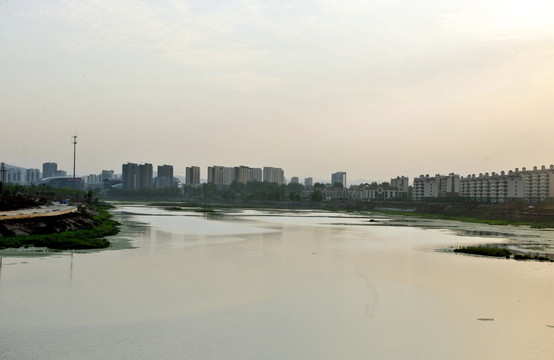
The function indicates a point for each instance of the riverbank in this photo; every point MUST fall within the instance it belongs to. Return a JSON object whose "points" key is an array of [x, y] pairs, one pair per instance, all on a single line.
{"points": [[512, 223], [540, 215], [82, 229]]}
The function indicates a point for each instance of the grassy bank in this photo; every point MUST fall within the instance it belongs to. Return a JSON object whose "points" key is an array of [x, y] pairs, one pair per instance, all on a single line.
{"points": [[69, 240], [533, 224], [499, 252], [485, 251], [518, 213]]}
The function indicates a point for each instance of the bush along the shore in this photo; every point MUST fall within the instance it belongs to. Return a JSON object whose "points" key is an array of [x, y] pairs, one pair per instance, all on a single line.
{"points": [[485, 251], [499, 253], [69, 240]]}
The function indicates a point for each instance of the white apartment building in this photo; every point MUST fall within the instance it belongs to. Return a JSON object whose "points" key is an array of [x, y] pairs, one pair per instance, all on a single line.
{"points": [[335, 193], [495, 188], [398, 188], [401, 183], [372, 193], [93, 179], [538, 183], [529, 185], [257, 174], [32, 176], [436, 186], [274, 175], [17, 175], [228, 175]]}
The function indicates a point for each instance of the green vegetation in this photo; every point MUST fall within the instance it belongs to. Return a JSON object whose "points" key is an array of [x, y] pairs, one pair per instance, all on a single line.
{"points": [[531, 257], [485, 251], [197, 208], [207, 210], [251, 191], [146, 193], [46, 192], [294, 196], [500, 253], [69, 240], [541, 225], [316, 196]]}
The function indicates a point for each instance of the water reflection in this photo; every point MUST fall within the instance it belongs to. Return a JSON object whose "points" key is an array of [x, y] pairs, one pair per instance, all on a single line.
{"points": [[276, 286], [489, 233], [71, 268]]}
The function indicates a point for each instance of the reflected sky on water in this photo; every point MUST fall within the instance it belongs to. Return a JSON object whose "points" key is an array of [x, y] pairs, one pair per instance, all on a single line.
{"points": [[275, 285]]}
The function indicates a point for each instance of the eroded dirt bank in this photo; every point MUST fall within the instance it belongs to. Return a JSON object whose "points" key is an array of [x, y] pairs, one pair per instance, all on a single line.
{"points": [[82, 219]]}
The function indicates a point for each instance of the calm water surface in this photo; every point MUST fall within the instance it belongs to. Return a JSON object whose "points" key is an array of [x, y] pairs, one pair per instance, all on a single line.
{"points": [[274, 285]]}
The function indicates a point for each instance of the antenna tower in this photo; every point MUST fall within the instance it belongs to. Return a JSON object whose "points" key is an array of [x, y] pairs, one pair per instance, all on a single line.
{"points": [[74, 157]]}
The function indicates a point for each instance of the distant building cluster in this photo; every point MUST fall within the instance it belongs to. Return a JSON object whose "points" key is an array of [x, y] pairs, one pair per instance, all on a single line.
{"points": [[398, 188], [224, 176], [141, 176], [525, 184], [17, 175], [530, 185]]}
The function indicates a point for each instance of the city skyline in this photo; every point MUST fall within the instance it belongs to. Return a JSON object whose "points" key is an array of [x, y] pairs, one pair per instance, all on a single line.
{"points": [[378, 89], [221, 175]]}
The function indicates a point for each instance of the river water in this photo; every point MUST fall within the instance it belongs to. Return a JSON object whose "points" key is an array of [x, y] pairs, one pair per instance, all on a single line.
{"points": [[275, 285]]}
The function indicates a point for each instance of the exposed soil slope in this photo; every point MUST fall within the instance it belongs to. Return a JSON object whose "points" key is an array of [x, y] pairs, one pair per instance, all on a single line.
{"points": [[82, 219]]}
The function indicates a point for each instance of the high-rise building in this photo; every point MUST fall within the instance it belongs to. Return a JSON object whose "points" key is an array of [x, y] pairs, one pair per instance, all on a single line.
{"points": [[274, 175], [308, 182], [215, 175], [257, 174], [137, 177], [107, 174], [294, 180], [32, 176], [192, 175], [243, 174], [539, 183], [339, 177], [228, 175], [165, 176], [14, 174], [48, 169], [129, 176], [145, 175]]}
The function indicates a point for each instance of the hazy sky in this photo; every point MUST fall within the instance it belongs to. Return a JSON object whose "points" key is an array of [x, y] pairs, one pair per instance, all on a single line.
{"points": [[373, 88]]}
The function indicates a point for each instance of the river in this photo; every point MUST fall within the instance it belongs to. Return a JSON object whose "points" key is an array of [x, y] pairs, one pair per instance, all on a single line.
{"points": [[254, 284]]}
